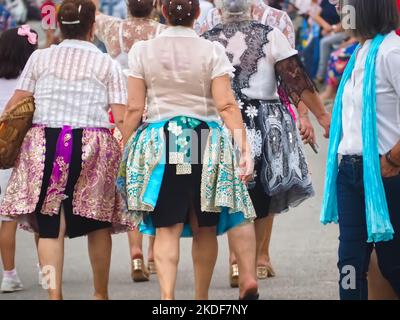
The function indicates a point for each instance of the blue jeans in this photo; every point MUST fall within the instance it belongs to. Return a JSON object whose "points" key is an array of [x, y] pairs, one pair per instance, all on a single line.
{"points": [[354, 251]]}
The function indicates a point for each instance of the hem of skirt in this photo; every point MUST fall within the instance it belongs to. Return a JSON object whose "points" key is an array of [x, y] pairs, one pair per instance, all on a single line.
{"points": [[117, 225], [293, 202], [146, 226]]}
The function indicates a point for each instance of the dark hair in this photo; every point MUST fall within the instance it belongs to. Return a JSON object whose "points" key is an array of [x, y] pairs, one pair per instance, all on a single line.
{"points": [[15, 51], [374, 17], [141, 8], [181, 12], [76, 18]]}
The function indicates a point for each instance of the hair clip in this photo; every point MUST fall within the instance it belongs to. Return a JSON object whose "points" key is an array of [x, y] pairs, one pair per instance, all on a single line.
{"points": [[79, 8], [25, 31], [71, 22], [179, 7], [189, 14]]}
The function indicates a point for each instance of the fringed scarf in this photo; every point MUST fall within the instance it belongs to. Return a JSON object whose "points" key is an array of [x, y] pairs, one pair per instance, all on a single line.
{"points": [[377, 213]]}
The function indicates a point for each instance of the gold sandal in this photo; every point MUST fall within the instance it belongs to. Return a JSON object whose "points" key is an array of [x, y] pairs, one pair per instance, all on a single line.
{"points": [[139, 271], [234, 276], [264, 272], [152, 267]]}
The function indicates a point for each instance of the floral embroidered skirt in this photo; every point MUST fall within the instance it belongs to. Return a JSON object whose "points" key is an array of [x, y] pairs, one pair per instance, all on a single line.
{"points": [[73, 169], [282, 178], [173, 168]]}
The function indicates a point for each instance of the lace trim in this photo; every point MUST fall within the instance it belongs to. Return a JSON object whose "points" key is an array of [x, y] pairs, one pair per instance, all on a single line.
{"points": [[256, 37], [293, 79]]}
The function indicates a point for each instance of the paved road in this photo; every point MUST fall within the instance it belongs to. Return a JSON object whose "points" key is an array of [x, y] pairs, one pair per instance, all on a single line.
{"points": [[303, 253]]}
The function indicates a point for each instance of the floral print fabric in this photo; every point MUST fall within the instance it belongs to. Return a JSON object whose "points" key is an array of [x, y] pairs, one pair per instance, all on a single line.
{"points": [[220, 186]]}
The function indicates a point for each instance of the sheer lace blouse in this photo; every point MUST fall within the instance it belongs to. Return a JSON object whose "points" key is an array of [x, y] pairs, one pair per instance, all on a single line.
{"points": [[119, 35], [178, 68]]}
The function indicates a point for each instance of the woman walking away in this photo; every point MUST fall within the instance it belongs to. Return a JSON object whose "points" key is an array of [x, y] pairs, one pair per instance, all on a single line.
{"points": [[264, 58], [179, 172], [119, 35], [63, 182]]}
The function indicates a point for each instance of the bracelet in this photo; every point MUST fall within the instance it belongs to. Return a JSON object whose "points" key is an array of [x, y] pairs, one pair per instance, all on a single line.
{"points": [[389, 159]]}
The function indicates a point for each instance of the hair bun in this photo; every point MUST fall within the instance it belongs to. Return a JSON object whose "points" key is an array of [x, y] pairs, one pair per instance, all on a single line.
{"points": [[70, 13], [180, 9]]}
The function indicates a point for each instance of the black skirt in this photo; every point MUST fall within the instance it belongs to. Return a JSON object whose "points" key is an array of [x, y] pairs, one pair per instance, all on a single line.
{"points": [[180, 194], [261, 201], [76, 226]]}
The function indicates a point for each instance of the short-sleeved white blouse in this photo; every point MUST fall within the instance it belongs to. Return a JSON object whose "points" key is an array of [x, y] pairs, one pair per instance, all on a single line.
{"points": [[119, 35], [263, 14], [73, 84], [178, 67]]}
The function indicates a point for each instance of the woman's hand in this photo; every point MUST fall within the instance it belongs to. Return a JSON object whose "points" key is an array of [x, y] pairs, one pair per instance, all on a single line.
{"points": [[387, 170], [246, 165], [306, 129], [325, 122]]}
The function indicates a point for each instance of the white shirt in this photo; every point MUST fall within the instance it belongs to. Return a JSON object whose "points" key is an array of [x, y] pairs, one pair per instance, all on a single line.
{"points": [[73, 84], [119, 35], [7, 88], [178, 67], [262, 13], [387, 96], [262, 83]]}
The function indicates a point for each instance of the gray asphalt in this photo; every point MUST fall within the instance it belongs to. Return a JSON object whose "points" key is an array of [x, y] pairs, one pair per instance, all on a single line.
{"points": [[303, 254]]}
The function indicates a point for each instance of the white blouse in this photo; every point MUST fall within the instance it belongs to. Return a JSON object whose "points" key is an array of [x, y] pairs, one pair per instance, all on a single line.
{"points": [[387, 96], [262, 83], [73, 84], [262, 13], [119, 35], [178, 68]]}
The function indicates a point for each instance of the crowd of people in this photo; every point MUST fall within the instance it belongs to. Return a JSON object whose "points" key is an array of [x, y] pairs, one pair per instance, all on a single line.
{"points": [[189, 118]]}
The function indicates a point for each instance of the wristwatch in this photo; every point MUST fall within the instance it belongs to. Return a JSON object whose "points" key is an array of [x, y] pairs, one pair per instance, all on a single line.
{"points": [[389, 159]]}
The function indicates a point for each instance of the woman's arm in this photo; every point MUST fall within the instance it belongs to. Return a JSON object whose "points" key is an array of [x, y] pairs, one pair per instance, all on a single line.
{"points": [[299, 87], [136, 106], [390, 163], [322, 23], [305, 126], [118, 112], [17, 97], [314, 103], [232, 117]]}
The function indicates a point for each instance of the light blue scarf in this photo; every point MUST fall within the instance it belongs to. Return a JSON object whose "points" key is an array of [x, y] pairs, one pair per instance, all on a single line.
{"points": [[377, 213]]}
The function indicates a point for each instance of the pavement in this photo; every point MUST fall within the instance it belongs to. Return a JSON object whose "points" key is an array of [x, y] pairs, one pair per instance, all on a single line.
{"points": [[303, 254]]}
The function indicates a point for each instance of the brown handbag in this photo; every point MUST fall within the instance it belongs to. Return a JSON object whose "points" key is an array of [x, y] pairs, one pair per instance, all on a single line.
{"points": [[14, 124]]}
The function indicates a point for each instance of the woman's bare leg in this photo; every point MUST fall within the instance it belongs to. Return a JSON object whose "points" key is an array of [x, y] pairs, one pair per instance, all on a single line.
{"points": [[166, 257], [8, 232], [99, 244], [135, 239], [150, 252], [243, 243], [51, 256], [263, 256], [204, 255]]}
